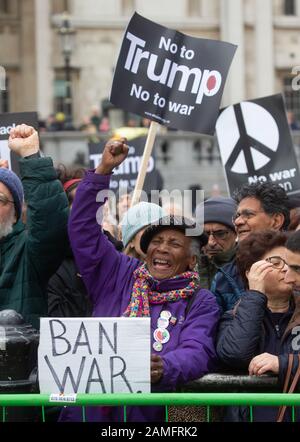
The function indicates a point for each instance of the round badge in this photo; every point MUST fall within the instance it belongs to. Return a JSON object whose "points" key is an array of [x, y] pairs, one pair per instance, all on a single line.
{"points": [[162, 323], [157, 346], [165, 314], [161, 335]]}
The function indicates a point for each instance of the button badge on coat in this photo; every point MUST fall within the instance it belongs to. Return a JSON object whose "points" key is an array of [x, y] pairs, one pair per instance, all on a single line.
{"points": [[157, 346], [161, 335]]}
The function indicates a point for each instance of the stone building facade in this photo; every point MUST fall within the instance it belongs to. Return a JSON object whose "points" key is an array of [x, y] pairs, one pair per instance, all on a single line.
{"points": [[266, 31]]}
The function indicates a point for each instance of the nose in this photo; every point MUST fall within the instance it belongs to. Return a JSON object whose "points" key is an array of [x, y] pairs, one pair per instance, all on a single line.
{"points": [[211, 240], [288, 277], [162, 247], [239, 221]]}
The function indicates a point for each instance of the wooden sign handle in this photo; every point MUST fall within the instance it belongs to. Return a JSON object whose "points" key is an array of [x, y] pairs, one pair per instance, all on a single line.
{"points": [[144, 163]]}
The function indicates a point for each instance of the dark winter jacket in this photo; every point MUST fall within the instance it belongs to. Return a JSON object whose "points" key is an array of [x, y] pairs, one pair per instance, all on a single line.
{"points": [[210, 266], [32, 253], [228, 286], [251, 329], [67, 294]]}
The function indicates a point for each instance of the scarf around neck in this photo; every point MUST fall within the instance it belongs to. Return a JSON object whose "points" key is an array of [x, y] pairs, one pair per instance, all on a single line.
{"points": [[142, 294]]}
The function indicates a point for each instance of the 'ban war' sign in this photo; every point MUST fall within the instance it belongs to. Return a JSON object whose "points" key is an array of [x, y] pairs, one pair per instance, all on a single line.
{"points": [[169, 77], [256, 145], [94, 355], [7, 122]]}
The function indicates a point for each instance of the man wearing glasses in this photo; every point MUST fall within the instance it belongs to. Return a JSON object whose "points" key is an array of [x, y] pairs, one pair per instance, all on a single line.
{"points": [[218, 226], [30, 254], [260, 206]]}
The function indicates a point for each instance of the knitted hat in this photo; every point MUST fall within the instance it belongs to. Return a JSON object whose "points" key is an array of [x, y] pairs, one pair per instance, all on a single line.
{"points": [[14, 185], [137, 217], [175, 222], [217, 210]]}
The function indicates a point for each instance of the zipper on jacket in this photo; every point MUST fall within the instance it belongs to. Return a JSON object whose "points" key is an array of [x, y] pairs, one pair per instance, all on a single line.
{"points": [[277, 330]]}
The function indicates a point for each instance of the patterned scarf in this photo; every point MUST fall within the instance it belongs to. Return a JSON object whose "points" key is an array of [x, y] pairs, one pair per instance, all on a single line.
{"points": [[142, 296]]}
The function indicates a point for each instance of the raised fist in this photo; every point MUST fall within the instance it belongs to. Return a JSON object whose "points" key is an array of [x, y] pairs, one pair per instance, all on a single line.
{"points": [[24, 140], [114, 153]]}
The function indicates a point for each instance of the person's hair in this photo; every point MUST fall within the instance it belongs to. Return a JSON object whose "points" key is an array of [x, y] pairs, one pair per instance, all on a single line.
{"points": [[293, 242], [272, 197], [294, 219], [65, 174], [254, 246], [195, 249]]}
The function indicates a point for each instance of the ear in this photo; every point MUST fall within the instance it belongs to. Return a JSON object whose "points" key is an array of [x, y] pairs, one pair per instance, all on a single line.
{"points": [[277, 221], [193, 262]]}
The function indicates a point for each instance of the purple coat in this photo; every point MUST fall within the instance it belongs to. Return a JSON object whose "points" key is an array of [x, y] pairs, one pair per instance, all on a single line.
{"points": [[108, 276]]}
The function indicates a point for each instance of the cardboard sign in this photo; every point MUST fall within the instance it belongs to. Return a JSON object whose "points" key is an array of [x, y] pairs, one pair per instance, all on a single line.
{"points": [[125, 175], [170, 78], [7, 122], [94, 355], [256, 145]]}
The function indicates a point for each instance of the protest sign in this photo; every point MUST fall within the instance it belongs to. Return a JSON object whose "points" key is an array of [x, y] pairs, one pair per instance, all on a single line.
{"points": [[94, 355], [7, 122], [256, 145], [169, 77]]}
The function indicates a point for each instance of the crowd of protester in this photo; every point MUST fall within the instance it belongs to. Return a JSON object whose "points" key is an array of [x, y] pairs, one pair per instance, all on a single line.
{"points": [[94, 123], [228, 297]]}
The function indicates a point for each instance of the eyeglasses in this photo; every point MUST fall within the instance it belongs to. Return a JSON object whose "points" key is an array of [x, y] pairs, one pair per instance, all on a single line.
{"points": [[217, 234], [246, 214], [277, 262], [4, 200]]}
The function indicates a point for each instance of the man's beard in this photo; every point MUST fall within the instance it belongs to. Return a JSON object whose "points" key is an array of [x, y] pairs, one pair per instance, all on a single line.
{"points": [[6, 226]]}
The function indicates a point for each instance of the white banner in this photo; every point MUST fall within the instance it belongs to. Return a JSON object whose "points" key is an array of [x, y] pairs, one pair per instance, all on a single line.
{"points": [[94, 355]]}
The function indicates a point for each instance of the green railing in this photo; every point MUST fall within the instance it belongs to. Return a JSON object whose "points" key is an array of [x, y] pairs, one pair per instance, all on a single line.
{"points": [[163, 399]]}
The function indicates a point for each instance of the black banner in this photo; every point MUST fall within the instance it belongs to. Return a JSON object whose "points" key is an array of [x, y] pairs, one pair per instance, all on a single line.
{"points": [[256, 145], [7, 122], [169, 77]]}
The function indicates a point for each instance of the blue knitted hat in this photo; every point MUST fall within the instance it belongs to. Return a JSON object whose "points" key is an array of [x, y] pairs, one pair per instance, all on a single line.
{"points": [[137, 217], [14, 185]]}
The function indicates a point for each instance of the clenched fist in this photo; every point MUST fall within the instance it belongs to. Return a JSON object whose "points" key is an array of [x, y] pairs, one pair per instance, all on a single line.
{"points": [[24, 140], [114, 153]]}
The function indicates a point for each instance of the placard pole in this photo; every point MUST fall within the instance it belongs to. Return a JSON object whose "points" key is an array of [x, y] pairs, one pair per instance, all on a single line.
{"points": [[144, 163]]}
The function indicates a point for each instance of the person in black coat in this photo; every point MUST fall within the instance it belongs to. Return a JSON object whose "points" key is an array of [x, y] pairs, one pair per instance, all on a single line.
{"points": [[259, 333]]}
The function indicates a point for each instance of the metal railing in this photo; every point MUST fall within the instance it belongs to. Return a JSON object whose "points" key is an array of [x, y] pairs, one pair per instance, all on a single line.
{"points": [[158, 399], [212, 390]]}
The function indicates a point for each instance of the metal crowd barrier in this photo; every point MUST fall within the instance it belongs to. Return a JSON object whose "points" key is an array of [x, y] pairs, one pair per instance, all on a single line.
{"points": [[230, 392]]}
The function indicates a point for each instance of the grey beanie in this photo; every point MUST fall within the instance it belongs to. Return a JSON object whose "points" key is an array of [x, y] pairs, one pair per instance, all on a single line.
{"points": [[218, 210], [14, 185]]}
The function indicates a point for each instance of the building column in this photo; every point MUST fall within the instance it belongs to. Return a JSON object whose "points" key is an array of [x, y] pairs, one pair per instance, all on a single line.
{"points": [[264, 48], [232, 31], [44, 73], [27, 56], [297, 8]]}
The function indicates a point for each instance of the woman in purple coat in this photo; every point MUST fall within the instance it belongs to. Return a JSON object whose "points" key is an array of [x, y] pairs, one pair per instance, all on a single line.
{"points": [[165, 288]]}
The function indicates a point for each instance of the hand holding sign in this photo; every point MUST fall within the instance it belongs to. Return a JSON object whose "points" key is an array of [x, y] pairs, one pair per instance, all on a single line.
{"points": [[114, 153], [24, 140]]}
